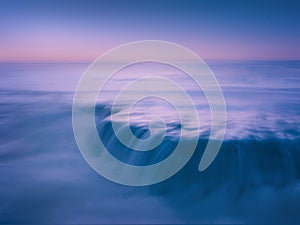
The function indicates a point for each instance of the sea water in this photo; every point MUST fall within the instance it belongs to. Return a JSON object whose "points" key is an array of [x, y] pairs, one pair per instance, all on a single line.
{"points": [[254, 178]]}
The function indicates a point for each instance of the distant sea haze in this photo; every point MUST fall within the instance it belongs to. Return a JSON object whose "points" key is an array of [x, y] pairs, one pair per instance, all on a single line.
{"points": [[254, 179]]}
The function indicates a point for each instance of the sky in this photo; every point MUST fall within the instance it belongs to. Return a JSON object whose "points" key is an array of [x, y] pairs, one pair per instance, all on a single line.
{"points": [[83, 30]]}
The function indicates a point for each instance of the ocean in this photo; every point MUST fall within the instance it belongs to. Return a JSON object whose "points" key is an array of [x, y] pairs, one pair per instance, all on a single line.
{"points": [[255, 177]]}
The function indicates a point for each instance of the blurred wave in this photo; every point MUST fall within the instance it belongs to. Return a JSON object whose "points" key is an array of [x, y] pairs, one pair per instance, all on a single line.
{"points": [[254, 179]]}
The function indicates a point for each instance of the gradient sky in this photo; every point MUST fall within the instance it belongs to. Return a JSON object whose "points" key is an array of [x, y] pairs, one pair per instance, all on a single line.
{"points": [[83, 30]]}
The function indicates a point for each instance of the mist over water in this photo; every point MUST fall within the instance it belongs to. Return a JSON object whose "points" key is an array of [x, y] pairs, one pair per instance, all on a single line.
{"points": [[254, 179]]}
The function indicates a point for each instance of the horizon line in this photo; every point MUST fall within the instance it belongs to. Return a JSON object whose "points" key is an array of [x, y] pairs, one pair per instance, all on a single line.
{"points": [[91, 61]]}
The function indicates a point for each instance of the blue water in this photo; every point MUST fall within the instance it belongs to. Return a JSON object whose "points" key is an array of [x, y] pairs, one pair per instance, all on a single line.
{"points": [[254, 179]]}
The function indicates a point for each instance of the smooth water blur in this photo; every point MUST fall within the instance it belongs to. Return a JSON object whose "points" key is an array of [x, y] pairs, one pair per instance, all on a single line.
{"points": [[254, 179]]}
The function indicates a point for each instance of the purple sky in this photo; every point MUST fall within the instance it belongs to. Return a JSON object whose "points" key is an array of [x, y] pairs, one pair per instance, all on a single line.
{"points": [[83, 30]]}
